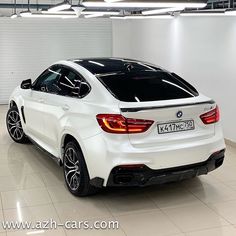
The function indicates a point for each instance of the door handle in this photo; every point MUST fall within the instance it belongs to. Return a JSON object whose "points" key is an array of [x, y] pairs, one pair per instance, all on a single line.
{"points": [[41, 100], [66, 108]]}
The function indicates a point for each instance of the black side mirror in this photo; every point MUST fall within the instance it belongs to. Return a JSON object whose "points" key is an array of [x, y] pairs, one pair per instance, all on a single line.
{"points": [[26, 84]]}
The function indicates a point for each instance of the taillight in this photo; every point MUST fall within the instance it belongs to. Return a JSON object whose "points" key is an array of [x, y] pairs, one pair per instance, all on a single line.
{"points": [[118, 124], [211, 117]]}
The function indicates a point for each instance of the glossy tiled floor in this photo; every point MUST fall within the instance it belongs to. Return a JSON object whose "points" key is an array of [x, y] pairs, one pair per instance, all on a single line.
{"points": [[32, 188]]}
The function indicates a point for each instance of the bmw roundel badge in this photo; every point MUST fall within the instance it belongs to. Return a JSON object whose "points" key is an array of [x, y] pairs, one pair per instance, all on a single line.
{"points": [[179, 114]]}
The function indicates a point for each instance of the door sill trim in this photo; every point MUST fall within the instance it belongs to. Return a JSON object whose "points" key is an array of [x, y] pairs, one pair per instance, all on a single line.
{"points": [[54, 158]]}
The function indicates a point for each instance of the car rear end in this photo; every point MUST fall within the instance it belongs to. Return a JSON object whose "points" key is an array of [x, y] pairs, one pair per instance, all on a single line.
{"points": [[165, 130], [172, 148]]}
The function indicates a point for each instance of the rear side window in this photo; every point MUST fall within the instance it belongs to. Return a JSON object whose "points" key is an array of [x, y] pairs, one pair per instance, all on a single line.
{"points": [[69, 83], [145, 86], [72, 84]]}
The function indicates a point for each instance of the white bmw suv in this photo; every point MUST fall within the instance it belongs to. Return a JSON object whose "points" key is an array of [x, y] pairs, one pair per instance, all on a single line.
{"points": [[117, 122]]}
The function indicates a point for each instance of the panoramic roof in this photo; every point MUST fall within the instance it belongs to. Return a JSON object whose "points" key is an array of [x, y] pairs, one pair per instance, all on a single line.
{"points": [[100, 66]]}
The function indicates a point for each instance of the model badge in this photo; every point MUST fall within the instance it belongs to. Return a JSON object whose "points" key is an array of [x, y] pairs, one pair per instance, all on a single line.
{"points": [[179, 114]]}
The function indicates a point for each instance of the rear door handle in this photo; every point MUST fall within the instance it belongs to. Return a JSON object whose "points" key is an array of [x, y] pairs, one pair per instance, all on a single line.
{"points": [[65, 107]]}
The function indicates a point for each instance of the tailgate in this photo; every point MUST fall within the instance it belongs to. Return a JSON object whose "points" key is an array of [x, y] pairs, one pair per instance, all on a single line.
{"points": [[167, 114]]}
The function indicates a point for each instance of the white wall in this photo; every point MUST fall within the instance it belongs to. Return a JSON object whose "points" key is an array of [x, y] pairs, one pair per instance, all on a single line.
{"points": [[200, 49], [28, 46]]}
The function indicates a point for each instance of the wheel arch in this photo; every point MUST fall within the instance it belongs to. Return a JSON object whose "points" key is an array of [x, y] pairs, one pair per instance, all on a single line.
{"points": [[67, 137]]}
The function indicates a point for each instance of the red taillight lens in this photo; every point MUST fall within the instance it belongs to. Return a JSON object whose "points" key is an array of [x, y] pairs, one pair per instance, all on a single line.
{"points": [[118, 124], [211, 117]]}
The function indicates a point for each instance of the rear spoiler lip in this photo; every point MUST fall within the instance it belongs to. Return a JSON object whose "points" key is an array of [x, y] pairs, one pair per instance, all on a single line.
{"points": [[137, 109]]}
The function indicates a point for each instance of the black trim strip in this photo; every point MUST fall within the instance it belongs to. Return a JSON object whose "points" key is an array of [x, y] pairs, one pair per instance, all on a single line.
{"points": [[136, 109], [54, 158], [23, 114]]}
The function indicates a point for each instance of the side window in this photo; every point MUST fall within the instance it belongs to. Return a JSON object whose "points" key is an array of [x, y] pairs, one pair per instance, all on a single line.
{"points": [[69, 83], [84, 89], [47, 82], [72, 84]]}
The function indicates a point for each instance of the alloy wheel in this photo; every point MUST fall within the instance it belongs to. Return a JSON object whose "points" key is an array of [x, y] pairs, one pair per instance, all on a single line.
{"points": [[14, 125], [72, 169]]}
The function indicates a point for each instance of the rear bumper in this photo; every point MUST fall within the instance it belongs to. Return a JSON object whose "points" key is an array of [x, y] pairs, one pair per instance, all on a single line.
{"points": [[144, 176]]}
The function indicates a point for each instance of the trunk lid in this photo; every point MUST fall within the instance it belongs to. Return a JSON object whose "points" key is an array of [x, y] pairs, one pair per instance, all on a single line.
{"points": [[165, 112]]}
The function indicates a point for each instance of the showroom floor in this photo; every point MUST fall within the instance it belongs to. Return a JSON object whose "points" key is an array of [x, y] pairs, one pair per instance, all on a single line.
{"points": [[32, 188]]}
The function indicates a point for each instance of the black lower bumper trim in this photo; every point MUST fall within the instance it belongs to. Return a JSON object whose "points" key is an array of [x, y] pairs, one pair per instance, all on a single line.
{"points": [[144, 176]]}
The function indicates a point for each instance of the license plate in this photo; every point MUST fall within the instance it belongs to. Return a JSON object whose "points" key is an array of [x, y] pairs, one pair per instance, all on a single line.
{"points": [[173, 127]]}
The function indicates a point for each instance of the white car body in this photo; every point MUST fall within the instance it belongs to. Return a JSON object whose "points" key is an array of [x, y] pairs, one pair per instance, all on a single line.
{"points": [[51, 117]]}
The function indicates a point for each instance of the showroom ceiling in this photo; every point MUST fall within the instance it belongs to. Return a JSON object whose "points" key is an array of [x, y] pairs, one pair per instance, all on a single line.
{"points": [[116, 8]]}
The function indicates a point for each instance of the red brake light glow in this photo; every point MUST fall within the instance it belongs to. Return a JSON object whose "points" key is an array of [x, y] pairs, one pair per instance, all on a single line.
{"points": [[118, 124], [211, 117]]}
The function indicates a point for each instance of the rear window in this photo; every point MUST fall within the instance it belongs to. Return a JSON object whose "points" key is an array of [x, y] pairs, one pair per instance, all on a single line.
{"points": [[145, 86]]}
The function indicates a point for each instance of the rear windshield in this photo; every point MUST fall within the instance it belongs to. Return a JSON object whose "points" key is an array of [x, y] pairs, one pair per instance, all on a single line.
{"points": [[145, 86]]}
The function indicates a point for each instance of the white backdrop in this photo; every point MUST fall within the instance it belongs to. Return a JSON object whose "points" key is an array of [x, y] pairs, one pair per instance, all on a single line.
{"points": [[201, 49], [28, 46]]}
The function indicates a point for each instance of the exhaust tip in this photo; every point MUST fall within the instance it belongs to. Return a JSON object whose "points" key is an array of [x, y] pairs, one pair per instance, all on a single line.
{"points": [[123, 179]]}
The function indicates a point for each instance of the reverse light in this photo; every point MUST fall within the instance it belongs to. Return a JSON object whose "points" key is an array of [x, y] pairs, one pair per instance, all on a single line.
{"points": [[118, 124], [211, 117]]}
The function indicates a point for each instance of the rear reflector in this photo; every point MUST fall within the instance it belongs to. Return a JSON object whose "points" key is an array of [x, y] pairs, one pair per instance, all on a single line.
{"points": [[118, 124], [211, 117], [135, 166]]}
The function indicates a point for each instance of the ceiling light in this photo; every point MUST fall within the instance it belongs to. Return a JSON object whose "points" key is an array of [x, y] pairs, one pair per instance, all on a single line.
{"points": [[59, 12], [75, 11], [113, 0], [230, 13], [143, 4], [142, 17], [164, 10], [39, 15], [60, 7], [100, 12]]}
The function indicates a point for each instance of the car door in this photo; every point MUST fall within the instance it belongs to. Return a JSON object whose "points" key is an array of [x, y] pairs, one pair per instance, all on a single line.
{"points": [[35, 107], [59, 106]]}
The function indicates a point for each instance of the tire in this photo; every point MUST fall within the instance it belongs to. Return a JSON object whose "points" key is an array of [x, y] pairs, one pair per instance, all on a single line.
{"points": [[14, 126], [75, 171]]}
